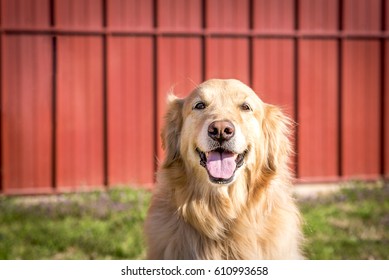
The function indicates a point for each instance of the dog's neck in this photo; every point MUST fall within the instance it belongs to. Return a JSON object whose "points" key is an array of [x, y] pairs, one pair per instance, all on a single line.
{"points": [[209, 208]]}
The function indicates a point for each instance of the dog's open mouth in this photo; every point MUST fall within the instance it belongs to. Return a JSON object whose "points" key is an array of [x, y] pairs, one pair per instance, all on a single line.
{"points": [[221, 164]]}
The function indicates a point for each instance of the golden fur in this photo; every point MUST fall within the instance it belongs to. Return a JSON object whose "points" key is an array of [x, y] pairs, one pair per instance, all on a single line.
{"points": [[252, 217]]}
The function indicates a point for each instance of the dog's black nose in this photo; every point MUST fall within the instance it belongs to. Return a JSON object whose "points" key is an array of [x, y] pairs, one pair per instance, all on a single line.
{"points": [[221, 130]]}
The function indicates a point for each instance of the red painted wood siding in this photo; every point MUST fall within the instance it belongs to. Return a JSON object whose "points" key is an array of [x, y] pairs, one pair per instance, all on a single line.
{"points": [[361, 91], [227, 58], [180, 16], [385, 115], [227, 15], [26, 121], [78, 14], [79, 109], [26, 14], [273, 61], [319, 16], [274, 16], [124, 15], [130, 111], [318, 153], [361, 109], [84, 83]]}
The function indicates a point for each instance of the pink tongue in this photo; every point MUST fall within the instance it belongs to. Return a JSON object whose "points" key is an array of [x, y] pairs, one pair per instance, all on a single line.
{"points": [[221, 165]]}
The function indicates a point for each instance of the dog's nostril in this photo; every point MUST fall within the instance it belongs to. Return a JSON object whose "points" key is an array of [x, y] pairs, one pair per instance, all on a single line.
{"points": [[221, 130], [228, 130], [213, 131]]}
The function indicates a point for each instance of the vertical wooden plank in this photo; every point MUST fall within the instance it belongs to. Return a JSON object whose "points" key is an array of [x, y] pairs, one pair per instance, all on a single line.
{"points": [[1, 98], [180, 15], [79, 113], [26, 114], [317, 93], [79, 14], [273, 62], [386, 4], [227, 15], [130, 112], [386, 113], [130, 14], [318, 15], [361, 109], [362, 15], [318, 110], [227, 58], [179, 70], [29, 14], [273, 16]]}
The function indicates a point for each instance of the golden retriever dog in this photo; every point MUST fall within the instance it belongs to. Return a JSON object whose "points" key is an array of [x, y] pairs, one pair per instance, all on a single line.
{"points": [[223, 190]]}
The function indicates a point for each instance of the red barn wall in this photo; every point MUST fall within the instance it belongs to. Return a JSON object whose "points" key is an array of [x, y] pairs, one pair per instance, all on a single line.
{"points": [[83, 83]]}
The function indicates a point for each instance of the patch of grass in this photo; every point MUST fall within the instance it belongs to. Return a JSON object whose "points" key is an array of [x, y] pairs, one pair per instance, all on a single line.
{"points": [[99, 225], [351, 224]]}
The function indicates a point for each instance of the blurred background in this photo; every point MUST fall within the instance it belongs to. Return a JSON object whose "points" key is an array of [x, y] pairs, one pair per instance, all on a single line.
{"points": [[83, 83]]}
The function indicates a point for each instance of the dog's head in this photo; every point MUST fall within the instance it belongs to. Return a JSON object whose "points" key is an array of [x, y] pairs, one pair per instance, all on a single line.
{"points": [[222, 130]]}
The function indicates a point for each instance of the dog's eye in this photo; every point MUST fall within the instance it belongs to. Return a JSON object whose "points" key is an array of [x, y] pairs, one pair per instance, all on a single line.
{"points": [[199, 105], [246, 107]]}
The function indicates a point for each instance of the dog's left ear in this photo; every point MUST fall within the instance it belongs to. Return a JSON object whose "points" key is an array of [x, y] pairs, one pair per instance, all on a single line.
{"points": [[171, 132], [276, 129]]}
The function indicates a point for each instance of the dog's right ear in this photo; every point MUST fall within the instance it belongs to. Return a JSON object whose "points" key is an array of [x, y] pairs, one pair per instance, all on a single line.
{"points": [[171, 132]]}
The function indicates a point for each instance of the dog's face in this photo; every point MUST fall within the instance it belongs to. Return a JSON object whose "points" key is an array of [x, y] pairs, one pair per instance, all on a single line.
{"points": [[221, 129]]}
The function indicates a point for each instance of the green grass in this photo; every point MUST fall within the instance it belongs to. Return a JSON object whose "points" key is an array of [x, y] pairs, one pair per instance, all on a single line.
{"points": [[350, 224], [99, 225]]}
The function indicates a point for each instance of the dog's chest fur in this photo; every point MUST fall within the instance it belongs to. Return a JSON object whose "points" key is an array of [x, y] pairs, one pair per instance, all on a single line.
{"points": [[222, 224]]}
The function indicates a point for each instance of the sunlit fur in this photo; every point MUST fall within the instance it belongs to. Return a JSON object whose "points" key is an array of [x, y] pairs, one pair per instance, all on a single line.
{"points": [[253, 217]]}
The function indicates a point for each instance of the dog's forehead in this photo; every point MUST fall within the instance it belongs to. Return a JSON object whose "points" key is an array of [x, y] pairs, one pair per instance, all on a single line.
{"points": [[219, 89]]}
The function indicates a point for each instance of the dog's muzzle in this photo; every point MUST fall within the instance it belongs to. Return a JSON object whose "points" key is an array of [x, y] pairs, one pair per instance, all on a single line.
{"points": [[221, 164], [221, 161]]}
